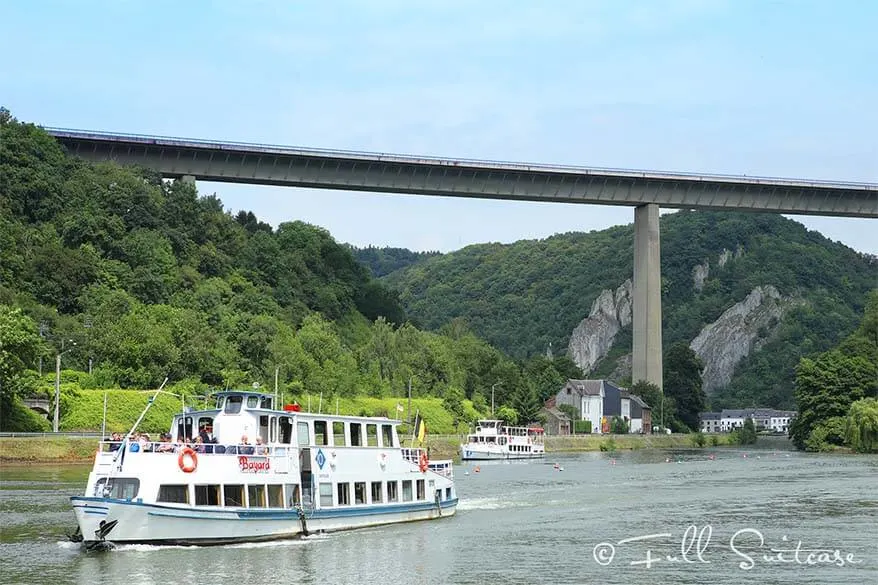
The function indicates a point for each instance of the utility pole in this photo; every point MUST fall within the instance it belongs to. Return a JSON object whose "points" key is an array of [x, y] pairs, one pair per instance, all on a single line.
{"points": [[492, 398], [410, 400], [58, 383]]}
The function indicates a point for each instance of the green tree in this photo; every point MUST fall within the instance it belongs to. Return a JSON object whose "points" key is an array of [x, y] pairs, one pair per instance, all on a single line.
{"points": [[526, 403], [682, 383], [747, 434], [618, 426], [861, 431], [19, 346], [508, 415]]}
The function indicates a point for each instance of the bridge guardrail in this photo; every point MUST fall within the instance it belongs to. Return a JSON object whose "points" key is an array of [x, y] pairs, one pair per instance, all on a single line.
{"points": [[74, 434]]}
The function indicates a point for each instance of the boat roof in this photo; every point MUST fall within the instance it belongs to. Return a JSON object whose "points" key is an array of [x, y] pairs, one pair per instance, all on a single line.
{"points": [[244, 392]]}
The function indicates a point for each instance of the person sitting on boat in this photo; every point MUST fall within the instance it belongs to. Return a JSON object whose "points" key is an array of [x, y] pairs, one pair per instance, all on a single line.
{"points": [[145, 443], [261, 449], [198, 445], [165, 446], [115, 441], [245, 448]]}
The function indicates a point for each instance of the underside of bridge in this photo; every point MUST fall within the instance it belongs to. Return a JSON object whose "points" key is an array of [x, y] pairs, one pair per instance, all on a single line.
{"points": [[191, 160]]}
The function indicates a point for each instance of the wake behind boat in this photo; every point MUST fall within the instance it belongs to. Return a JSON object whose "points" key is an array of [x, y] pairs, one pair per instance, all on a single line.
{"points": [[492, 440], [256, 473]]}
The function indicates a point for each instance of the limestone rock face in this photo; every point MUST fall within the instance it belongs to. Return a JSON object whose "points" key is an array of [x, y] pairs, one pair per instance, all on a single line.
{"points": [[593, 337], [700, 274], [722, 344]]}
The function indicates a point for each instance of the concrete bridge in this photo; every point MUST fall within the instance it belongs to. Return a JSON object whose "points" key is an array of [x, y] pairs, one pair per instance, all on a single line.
{"points": [[231, 162], [40, 405]]}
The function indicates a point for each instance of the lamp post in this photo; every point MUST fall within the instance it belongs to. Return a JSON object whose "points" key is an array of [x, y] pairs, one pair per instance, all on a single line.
{"points": [[58, 382], [492, 397]]}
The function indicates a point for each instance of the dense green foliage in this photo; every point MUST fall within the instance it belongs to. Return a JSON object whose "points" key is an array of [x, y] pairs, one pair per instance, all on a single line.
{"points": [[144, 279], [829, 384], [528, 296], [382, 261], [682, 384], [746, 435], [862, 426]]}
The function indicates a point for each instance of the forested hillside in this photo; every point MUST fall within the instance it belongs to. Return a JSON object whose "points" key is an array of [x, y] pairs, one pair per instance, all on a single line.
{"points": [[529, 296], [383, 261], [139, 279]]}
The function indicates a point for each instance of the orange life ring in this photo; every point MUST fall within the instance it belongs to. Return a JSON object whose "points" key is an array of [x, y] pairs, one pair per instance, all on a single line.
{"points": [[423, 464], [181, 460]]}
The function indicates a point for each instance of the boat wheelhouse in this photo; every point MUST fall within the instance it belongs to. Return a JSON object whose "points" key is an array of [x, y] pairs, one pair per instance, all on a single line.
{"points": [[493, 440], [246, 471]]}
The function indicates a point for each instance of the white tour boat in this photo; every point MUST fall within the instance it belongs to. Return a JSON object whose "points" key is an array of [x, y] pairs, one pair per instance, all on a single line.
{"points": [[492, 440], [258, 473]]}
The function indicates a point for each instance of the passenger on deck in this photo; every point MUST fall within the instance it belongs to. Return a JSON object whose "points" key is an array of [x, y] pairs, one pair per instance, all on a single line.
{"points": [[261, 449], [245, 448], [115, 441], [165, 446], [198, 446]]}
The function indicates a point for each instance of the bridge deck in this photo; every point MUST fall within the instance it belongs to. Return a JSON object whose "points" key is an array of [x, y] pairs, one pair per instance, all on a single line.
{"points": [[393, 173]]}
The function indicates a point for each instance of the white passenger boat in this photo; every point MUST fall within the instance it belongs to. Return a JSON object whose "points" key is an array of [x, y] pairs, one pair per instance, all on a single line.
{"points": [[493, 440], [258, 473]]}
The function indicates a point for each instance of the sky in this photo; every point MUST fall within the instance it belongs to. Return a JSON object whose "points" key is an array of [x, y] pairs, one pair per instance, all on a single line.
{"points": [[785, 89]]}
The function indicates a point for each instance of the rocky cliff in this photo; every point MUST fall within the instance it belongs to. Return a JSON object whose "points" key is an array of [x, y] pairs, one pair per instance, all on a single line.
{"points": [[594, 336], [743, 328]]}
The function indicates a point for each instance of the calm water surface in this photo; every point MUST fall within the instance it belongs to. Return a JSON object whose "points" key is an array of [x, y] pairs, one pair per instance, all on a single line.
{"points": [[517, 523]]}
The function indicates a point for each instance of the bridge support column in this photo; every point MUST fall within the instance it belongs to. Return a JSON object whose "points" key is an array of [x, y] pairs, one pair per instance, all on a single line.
{"points": [[647, 319]]}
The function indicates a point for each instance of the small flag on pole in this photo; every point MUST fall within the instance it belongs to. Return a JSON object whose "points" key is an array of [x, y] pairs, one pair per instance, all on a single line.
{"points": [[420, 429]]}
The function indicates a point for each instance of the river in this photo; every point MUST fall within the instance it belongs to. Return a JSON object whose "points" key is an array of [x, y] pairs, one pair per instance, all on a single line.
{"points": [[518, 523]]}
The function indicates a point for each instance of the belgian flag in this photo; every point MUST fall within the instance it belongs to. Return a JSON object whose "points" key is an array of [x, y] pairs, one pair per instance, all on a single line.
{"points": [[420, 428]]}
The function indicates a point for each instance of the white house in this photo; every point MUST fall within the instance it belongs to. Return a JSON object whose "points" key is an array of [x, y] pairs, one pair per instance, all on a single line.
{"points": [[728, 420]]}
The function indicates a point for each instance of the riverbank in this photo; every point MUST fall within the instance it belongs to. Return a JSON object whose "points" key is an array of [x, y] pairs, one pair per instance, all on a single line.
{"points": [[78, 449]]}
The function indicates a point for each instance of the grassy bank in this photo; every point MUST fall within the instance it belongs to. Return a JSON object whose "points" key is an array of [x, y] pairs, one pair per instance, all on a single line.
{"points": [[47, 450], [75, 449]]}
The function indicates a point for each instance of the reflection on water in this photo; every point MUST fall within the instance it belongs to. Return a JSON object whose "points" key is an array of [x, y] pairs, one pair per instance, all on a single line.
{"points": [[521, 523]]}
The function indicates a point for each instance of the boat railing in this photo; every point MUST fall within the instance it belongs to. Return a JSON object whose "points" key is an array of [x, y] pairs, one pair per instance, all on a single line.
{"points": [[163, 447], [443, 467]]}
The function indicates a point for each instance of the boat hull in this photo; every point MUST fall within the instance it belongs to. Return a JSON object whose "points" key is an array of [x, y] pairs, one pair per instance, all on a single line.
{"points": [[472, 454], [140, 523]]}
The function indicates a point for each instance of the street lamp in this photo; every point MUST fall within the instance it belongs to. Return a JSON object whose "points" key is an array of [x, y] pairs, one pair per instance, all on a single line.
{"points": [[58, 381]]}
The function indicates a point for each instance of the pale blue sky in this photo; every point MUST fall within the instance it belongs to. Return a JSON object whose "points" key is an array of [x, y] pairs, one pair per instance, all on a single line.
{"points": [[741, 87]]}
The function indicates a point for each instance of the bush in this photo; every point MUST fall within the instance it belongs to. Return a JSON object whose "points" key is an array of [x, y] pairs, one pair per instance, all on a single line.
{"points": [[608, 445], [698, 439], [714, 440], [20, 418], [582, 426], [619, 426]]}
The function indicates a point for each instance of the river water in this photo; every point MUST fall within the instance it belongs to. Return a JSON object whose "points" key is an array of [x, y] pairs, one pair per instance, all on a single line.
{"points": [[518, 523]]}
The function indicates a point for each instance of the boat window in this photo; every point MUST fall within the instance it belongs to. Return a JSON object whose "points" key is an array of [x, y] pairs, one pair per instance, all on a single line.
{"points": [[356, 434], [263, 428], [184, 427], [338, 438], [207, 495], [272, 430], [233, 404], [376, 492], [407, 490], [447, 493], [219, 402], [387, 435], [321, 437], [233, 495], [325, 495], [360, 492], [286, 430], [292, 492], [303, 434], [372, 435], [276, 496], [252, 402], [266, 402], [175, 494], [422, 494], [256, 496], [392, 491], [121, 488], [344, 493]]}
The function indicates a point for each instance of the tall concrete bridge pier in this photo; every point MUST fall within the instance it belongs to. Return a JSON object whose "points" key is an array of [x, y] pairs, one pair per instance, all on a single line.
{"points": [[203, 160]]}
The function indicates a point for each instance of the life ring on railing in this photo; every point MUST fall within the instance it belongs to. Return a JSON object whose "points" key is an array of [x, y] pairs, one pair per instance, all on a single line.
{"points": [[423, 463], [190, 465]]}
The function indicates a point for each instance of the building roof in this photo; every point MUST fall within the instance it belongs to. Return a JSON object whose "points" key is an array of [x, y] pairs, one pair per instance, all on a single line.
{"points": [[640, 402], [557, 414], [710, 415], [586, 387], [624, 394]]}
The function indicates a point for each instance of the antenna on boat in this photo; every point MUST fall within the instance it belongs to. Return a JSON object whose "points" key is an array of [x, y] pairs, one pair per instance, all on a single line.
{"points": [[122, 447]]}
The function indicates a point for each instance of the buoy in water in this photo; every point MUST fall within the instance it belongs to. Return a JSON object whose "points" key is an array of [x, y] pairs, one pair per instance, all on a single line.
{"points": [[477, 469]]}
